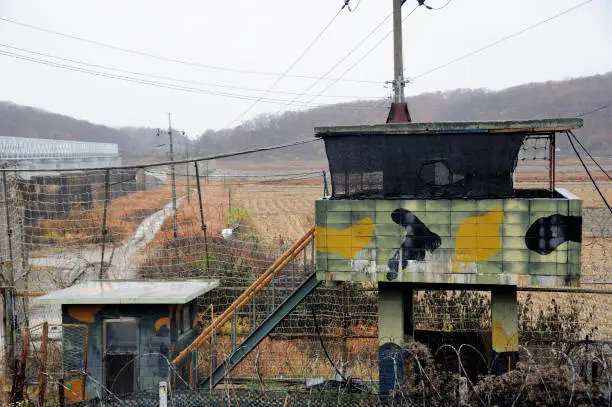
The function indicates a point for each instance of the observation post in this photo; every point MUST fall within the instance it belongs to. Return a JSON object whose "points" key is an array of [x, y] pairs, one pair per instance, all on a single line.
{"points": [[132, 329], [434, 206]]}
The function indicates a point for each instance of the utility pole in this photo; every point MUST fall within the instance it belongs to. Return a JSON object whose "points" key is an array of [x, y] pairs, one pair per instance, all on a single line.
{"points": [[172, 177], [398, 53], [399, 109]]}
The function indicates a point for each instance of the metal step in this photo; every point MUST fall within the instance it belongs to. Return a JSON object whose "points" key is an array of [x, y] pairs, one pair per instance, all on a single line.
{"points": [[262, 331]]}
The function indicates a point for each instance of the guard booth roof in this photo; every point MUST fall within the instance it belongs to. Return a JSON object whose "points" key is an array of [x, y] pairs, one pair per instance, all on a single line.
{"points": [[430, 160]]}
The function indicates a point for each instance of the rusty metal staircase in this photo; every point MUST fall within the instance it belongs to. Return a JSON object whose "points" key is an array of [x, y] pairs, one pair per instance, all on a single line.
{"points": [[263, 329]]}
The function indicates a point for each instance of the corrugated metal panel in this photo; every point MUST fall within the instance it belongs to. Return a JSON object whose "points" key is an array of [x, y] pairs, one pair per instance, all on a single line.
{"points": [[22, 148]]}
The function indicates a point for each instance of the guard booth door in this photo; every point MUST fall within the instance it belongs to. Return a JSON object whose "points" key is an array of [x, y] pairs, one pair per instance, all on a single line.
{"points": [[120, 360]]}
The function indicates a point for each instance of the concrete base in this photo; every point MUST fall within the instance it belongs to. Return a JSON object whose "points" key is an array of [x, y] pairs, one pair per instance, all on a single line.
{"points": [[395, 328], [504, 329]]}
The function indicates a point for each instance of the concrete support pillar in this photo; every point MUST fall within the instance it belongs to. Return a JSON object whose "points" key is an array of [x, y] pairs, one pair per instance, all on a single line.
{"points": [[504, 328], [395, 328]]}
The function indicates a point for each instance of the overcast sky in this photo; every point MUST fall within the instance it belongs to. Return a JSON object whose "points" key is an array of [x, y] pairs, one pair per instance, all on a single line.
{"points": [[268, 36]]}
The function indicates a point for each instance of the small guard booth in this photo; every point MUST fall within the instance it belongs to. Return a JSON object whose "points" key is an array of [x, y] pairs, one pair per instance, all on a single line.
{"points": [[434, 206], [133, 329]]}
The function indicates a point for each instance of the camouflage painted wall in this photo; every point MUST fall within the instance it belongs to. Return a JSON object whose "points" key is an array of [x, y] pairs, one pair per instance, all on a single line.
{"points": [[490, 241], [160, 336]]}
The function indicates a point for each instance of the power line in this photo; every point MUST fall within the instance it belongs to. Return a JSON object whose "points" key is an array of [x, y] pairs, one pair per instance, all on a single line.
{"points": [[168, 59], [588, 173], [438, 8], [590, 156], [362, 57], [175, 162], [506, 38], [338, 62], [597, 109], [297, 60], [154, 83], [74, 61]]}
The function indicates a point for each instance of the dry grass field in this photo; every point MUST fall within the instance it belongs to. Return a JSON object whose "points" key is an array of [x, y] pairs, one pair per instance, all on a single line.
{"points": [[271, 211], [278, 212], [124, 214]]}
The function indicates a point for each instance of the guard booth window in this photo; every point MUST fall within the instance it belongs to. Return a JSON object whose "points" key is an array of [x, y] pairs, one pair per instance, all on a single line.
{"points": [[120, 350], [423, 166]]}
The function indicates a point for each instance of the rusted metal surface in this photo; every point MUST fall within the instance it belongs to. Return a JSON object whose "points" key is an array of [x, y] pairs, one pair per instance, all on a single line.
{"points": [[31, 293], [398, 113], [248, 295], [544, 126]]}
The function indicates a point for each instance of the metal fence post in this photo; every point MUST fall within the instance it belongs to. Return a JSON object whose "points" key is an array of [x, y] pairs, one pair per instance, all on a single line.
{"points": [[24, 359], [42, 378], [233, 338], [202, 221], [9, 282], [229, 206], [85, 353], [325, 190], [163, 394], [60, 392], [104, 231]]}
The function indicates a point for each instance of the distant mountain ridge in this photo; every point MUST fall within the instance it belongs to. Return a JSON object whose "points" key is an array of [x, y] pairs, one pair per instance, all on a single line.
{"points": [[530, 101]]}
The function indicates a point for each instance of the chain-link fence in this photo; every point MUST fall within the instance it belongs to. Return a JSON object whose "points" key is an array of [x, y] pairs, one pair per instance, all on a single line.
{"points": [[61, 228]]}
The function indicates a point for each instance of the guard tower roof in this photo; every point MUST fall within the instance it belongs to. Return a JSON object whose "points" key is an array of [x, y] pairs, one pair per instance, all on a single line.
{"points": [[130, 292], [543, 126], [434, 160]]}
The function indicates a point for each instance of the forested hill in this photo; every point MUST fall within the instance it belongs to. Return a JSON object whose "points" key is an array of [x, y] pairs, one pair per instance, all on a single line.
{"points": [[529, 101], [24, 121]]}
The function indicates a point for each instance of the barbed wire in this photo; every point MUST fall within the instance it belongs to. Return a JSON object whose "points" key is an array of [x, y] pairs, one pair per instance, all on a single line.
{"points": [[57, 240]]}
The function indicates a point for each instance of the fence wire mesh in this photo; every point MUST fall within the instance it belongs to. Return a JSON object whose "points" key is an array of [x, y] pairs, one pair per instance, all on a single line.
{"points": [[72, 227]]}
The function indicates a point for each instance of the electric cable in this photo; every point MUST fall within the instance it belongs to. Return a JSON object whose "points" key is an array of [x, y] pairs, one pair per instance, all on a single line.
{"points": [[437, 8], [597, 109], [318, 331], [350, 68], [175, 162], [348, 5], [312, 85], [168, 59], [499, 41], [589, 173], [156, 84], [169, 78], [590, 156], [297, 60]]}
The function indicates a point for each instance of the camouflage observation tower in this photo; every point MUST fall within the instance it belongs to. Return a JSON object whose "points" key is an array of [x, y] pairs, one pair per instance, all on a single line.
{"points": [[434, 206]]}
